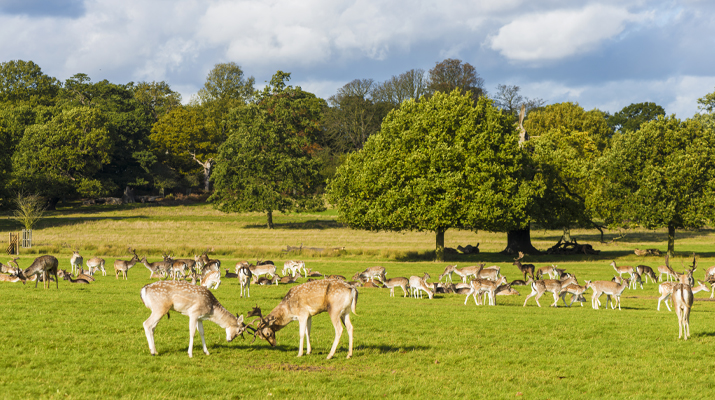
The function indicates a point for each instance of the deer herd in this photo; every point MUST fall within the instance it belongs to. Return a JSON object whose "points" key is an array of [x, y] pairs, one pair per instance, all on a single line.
{"points": [[337, 296]]}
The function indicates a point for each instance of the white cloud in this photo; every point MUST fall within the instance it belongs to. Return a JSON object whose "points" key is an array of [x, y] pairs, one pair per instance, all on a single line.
{"points": [[560, 33]]}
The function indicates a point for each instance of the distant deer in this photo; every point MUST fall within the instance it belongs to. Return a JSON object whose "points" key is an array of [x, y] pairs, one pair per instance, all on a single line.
{"points": [[371, 273], [95, 263], [244, 277], [197, 302], [76, 261], [397, 282], [303, 302], [121, 266], [524, 268]]}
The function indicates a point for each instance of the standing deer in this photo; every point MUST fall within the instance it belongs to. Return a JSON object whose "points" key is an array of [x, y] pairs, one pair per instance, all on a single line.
{"points": [[419, 285], [95, 263], [212, 279], [665, 269], [121, 266], [157, 268], [683, 302], [264, 269], [304, 301], [666, 290], [371, 273], [43, 267], [196, 302], [392, 283], [244, 277], [76, 261], [524, 268], [623, 270], [610, 289], [466, 272], [448, 270]]}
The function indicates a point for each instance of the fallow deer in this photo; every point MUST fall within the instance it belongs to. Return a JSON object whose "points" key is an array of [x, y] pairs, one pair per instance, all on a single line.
{"points": [[211, 280], [244, 278], [372, 273], [265, 269], [550, 271], [622, 270], [121, 266], [293, 267], [610, 289], [466, 272], [647, 272], [667, 270], [666, 290], [524, 268], [43, 267], [419, 285], [196, 302], [479, 286], [230, 275], [448, 270], [539, 287], [96, 263], [576, 291], [303, 302], [683, 302], [76, 261], [11, 278], [158, 268], [392, 283]]}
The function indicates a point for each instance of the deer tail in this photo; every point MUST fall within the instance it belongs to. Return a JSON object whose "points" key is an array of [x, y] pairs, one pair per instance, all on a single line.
{"points": [[354, 295]]}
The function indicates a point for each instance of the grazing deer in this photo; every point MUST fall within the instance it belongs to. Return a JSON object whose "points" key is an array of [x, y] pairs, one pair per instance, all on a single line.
{"points": [[683, 302], [610, 289], [293, 267], [304, 301], [96, 263], [480, 286], [196, 302], [647, 272], [371, 273], [121, 266], [419, 285], [623, 270], [448, 270], [244, 277], [397, 282], [42, 268], [666, 290], [211, 280], [76, 261], [524, 268], [550, 271], [467, 272], [265, 269], [155, 268]]}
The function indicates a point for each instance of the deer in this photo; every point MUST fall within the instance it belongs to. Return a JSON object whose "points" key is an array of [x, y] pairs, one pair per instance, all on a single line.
{"points": [[665, 269], [683, 302], [211, 280], [466, 272], [68, 277], [576, 292], [9, 269], [196, 302], [392, 283], [419, 285], [647, 272], [448, 270], [156, 268], [666, 290], [304, 301], [622, 270], [610, 289], [506, 290], [96, 263], [539, 287], [550, 271], [524, 268], [121, 266], [43, 267], [479, 286], [293, 267], [230, 275], [244, 277], [265, 269], [371, 273], [687, 277], [636, 279], [489, 273], [82, 275], [76, 261], [12, 278]]}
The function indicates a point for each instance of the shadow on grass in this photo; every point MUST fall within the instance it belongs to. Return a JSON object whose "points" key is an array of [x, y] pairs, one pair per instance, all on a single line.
{"points": [[311, 224], [384, 349]]}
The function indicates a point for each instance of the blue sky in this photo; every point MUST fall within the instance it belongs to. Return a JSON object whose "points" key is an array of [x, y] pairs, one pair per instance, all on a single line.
{"points": [[602, 54]]}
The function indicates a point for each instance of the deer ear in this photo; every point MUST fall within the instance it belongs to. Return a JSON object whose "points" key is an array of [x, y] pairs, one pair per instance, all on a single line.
{"points": [[240, 319]]}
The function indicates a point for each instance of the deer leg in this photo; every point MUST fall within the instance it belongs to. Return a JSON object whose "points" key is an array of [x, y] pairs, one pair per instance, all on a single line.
{"points": [[200, 325], [308, 325], [556, 300], [349, 326], [532, 294], [149, 326], [338, 332], [193, 322], [301, 332], [471, 290]]}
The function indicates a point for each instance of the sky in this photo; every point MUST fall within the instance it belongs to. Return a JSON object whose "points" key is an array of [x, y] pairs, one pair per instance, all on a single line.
{"points": [[601, 54]]}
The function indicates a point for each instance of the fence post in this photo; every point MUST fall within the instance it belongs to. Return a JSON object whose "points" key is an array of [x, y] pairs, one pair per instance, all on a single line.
{"points": [[27, 238]]}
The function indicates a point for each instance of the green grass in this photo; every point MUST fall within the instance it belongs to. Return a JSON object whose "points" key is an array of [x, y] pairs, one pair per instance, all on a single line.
{"points": [[88, 341]]}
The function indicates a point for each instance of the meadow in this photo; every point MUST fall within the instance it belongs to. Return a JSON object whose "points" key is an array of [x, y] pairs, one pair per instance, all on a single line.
{"points": [[88, 341]]}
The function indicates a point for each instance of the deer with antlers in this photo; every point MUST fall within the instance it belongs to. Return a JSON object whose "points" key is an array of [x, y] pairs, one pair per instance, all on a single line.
{"points": [[683, 302], [666, 290], [524, 268], [121, 266], [196, 302], [302, 302], [667, 270], [43, 267]]}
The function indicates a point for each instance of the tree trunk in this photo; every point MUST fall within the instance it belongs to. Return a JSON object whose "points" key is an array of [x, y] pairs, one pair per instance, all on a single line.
{"points": [[207, 174], [519, 240], [439, 250], [671, 240], [270, 219]]}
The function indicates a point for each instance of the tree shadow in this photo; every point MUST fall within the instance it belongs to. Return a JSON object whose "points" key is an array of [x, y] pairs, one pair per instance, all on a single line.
{"points": [[384, 349], [310, 224]]}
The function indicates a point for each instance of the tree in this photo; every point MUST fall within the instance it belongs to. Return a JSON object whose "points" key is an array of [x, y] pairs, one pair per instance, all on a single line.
{"points": [[61, 158], [510, 100], [452, 74], [436, 164], [352, 116], [24, 81], [633, 116], [157, 97], [268, 161], [662, 175], [407, 85]]}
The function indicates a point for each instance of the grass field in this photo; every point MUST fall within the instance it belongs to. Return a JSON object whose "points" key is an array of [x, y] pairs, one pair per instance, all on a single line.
{"points": [[88, 341]]}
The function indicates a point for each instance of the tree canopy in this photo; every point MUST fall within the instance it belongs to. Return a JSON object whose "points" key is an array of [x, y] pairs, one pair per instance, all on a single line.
{"points": [[633, 116], [440, 163], [453, 74], [268, 162]]}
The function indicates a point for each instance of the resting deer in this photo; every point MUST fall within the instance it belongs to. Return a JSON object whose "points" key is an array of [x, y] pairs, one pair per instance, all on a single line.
{"points": [[121, 266], [397, 282], [419, 285], [610, 289], [524, 268], [371, 273], [42, 268], [96, 263], [76, 261], [683, 302], [196, 302], [11, 278], [82, 275], [304, 301], [68, 277]]}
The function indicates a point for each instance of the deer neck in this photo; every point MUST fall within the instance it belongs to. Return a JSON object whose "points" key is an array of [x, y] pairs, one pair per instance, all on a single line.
{"points": [[222, 317], [282, 317]]}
